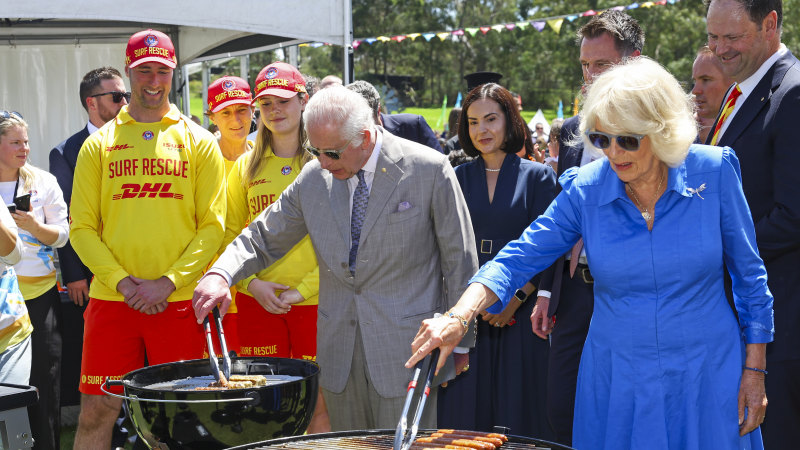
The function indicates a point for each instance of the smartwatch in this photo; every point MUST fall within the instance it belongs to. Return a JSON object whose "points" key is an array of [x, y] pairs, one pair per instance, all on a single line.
{"points": [[521, 295]]}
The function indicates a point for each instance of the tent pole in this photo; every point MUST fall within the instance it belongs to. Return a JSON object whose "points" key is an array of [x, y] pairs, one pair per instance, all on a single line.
{"points": [[187, 109], [347, 45], [204, 75]]}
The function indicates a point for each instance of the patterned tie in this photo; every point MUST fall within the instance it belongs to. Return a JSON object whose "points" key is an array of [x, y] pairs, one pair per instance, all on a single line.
{"points": [[360, 199], [726, 111]]}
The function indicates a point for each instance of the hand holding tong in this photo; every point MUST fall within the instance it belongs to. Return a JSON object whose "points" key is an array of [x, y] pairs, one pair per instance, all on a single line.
{"points": [[402, 437], [212, 357]]}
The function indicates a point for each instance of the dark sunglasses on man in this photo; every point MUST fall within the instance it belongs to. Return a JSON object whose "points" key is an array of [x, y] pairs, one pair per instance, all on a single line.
{"points": [[116, 96], [629, 142], [332, 154], [7, 114]]}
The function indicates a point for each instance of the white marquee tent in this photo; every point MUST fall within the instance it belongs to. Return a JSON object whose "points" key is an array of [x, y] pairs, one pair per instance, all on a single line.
{"points": [[46, 46]]}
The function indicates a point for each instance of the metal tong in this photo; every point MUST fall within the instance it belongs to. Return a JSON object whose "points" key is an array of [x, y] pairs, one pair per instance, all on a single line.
{"points": [[403, 438], [212, 356]]}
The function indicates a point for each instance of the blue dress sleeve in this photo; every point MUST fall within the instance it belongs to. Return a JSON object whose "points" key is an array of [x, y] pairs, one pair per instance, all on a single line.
{"points": [[547, 238], [751, 294]]}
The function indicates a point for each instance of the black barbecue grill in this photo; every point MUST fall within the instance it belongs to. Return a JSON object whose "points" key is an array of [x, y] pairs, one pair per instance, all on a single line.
{"points": [[376, 439]]}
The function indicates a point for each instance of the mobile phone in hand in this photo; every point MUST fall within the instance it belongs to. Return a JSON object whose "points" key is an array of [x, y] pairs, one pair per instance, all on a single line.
{"points": [[12, 208], [23, 202]]}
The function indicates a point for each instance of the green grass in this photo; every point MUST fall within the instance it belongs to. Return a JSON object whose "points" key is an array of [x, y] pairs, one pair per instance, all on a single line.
{"points": [[431, 115]]}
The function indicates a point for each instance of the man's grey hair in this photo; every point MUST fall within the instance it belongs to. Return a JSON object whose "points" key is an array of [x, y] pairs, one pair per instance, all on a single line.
{"points": [[341, 106], [370, 94]]}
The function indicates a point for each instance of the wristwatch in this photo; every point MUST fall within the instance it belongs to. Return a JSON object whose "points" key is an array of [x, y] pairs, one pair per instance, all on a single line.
{"points": [[521, 295]]}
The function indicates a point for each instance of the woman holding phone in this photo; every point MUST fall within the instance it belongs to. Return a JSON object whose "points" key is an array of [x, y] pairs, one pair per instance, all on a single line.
{"points": [[41, 217]]}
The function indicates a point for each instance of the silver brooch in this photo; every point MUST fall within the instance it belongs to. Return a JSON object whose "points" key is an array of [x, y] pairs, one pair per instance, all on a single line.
{"points": [[697, 191]]}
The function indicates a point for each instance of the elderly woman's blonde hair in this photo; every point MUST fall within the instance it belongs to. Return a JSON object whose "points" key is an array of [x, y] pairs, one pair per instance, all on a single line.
{"points": [[639, 96]]}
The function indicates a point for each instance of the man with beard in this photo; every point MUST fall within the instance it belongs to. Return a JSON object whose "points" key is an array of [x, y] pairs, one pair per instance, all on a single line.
{"points": [[148, 213]]}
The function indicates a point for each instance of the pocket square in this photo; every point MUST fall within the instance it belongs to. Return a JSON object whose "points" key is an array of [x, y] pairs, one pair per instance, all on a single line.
{"points": [[403, 206]]}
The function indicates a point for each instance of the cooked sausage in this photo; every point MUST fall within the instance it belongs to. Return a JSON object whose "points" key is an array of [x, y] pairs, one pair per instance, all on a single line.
{"points": [[462, 442], [502, 437], [497, 442], [429, 446]]}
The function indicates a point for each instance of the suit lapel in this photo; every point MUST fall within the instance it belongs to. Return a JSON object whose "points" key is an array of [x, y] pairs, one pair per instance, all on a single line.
{"points": [[384, 182], [340, 203], [757, 99]]}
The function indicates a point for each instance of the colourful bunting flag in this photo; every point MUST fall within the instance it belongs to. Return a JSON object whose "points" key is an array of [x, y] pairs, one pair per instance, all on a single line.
{"points": [[428, 36], [538, 25], [522, 25], [510, 26], [413, 36], [442, 36], [444, 112], [356, 44], [555, 24], [590, 12], [398, 38], [485, 30], [458, 32], [471, 31], [498, 27], [647, 5]]}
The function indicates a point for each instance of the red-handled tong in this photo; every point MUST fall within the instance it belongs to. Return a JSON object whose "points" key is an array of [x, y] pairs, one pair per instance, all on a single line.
{"points": [[402, 437]]}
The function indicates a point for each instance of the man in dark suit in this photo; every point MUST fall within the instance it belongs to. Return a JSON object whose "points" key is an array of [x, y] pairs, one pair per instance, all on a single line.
{"points": [[407, 126], [101, 93], [566, 293], [762, 129]]}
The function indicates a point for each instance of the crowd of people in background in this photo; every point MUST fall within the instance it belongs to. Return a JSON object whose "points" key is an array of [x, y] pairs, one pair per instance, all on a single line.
{"points": [[610, 282]]}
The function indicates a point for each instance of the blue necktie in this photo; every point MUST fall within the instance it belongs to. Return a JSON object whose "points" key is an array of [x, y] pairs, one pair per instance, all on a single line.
{"points": [[360, 199]]}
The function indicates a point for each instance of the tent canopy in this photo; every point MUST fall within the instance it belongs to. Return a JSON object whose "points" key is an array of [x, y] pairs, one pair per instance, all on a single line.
{"points": [[46, 46]]}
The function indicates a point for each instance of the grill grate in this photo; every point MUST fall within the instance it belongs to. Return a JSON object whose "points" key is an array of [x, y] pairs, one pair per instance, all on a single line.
{"points": [[380, 439]]}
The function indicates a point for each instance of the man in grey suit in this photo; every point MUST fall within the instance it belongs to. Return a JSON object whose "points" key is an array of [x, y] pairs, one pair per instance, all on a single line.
{"points": [[394, 242]]}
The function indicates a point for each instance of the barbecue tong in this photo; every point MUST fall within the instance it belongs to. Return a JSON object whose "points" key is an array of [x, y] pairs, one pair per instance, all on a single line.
{"points": [[212, 356], [403, 438]]}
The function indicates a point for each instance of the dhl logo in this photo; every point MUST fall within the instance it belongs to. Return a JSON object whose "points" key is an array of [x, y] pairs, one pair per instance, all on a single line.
{"points": [[114, 148], [148, 190]]}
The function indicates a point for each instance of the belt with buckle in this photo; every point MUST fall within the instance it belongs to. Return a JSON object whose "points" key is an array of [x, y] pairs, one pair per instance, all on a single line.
{"points": [[584, 272]]}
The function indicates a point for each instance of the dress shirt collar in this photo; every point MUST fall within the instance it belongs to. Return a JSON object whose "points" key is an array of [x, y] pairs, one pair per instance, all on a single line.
{"points": [[747, 86], [90, 126], [370, 165]]}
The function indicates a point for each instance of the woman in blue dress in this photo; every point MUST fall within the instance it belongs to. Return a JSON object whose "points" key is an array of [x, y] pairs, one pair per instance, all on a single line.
{"points": [[666, 364], [504, 194]]}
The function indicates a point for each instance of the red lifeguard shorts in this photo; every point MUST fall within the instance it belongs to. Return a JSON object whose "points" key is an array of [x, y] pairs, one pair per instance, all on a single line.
{"points": [[290, 335], [116, 338]]}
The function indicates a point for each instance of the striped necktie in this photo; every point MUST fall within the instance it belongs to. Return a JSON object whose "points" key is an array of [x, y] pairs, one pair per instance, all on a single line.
{"points": [[726, 111]]}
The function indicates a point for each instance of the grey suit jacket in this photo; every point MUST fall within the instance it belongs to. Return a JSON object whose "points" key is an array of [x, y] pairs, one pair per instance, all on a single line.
{"points": [[412, 261]]}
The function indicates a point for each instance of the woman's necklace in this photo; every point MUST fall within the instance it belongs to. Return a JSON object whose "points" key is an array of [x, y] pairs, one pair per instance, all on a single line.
{"points": [[646, 213], [492, 170]]}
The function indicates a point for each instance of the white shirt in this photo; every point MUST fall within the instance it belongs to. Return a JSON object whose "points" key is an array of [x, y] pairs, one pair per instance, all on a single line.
{"points": [[369, 169], [90, 126], [748, 86]]}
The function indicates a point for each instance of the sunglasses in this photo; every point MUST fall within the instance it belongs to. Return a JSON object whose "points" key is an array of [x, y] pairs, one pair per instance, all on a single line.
{"points": [[8, 114], [629, 142], [332, 154], [116, 96]]}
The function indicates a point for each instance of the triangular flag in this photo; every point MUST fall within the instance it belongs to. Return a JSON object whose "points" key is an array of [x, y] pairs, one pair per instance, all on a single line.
{"points": [[398, 38], [457, 32], [370, 40], [458, 101], [471, 31], [661, 2], [572, 17], [522, 25], [555, 24], [497, 28], [632, 6], [510, 26], [560, 113], [316, 44], [590, 12], [413, 36], [442, 36], [356, 44], [485, 30], [306, 45], [538, 25], [647, 5], [428, 36], [383, 38], [618, 8]]}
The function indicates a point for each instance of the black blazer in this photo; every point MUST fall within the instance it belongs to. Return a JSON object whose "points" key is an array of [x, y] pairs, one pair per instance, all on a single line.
{"points": [[411, 127], [765, 135], [569, 155], [62, 165]]}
